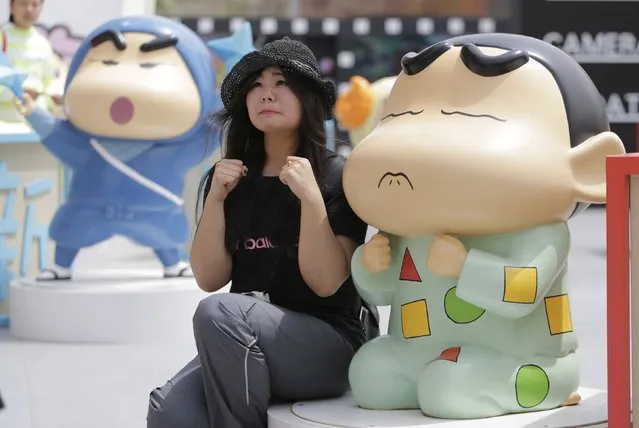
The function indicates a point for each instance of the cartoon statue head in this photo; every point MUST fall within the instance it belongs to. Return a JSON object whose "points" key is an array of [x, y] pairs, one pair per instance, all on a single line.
{"points": [[141, 78], [360, 108], [483, 134]]}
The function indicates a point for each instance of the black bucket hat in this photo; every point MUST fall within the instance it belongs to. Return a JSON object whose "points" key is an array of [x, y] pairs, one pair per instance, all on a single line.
{"points": [[289, 55]]}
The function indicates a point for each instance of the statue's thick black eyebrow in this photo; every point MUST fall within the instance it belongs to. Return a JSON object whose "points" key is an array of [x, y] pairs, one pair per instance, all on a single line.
{"points": [[110, 35], [492, 65], [413, 63], [160, 42]]}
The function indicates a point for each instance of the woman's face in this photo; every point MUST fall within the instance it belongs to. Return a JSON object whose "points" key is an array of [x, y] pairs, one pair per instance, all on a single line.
{"points": [[272, 105], [26, 12]]}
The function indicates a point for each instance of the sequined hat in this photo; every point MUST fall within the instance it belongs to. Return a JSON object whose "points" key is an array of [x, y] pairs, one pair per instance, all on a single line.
{"points": [[289, 55]]}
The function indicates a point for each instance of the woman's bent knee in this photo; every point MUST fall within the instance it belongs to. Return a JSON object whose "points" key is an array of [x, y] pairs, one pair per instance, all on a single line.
{"points": [[222, 308]]}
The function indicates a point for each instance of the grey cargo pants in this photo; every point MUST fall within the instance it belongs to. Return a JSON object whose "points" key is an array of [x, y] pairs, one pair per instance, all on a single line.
{"points": [[250, 352]]}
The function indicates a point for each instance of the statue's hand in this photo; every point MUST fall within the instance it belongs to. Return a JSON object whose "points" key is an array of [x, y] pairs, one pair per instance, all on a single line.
{"points": [[446, 256], [376, 254], [26, 106]]}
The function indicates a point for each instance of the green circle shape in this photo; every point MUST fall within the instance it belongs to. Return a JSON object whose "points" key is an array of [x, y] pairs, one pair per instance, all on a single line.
{"points": [[460, 311], [531, 385]]}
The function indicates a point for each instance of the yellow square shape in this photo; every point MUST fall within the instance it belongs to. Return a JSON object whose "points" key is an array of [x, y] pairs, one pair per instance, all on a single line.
{"points": [[558, 314], [415, 319], [520, 284]]}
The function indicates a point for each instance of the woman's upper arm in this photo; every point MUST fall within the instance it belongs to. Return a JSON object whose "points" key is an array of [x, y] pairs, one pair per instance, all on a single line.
{"points": [[348, 244]]}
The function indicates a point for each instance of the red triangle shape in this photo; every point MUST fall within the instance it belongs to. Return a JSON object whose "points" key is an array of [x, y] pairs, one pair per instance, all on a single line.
{"points": [[409, 271]]}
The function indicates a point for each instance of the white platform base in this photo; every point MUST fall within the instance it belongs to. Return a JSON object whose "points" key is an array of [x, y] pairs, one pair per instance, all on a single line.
{"points": [[118, 306], [343, 412]]}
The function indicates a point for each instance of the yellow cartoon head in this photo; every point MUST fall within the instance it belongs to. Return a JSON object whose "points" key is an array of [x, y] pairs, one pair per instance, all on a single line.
{"points": [[143, 77], [482, 134]]}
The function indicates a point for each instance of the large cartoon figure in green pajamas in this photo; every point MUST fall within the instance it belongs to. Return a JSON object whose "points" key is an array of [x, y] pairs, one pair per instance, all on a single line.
{"points": [[488, 144]]}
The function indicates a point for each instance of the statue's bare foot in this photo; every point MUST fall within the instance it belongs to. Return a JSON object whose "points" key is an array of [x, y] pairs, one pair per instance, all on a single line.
{"points": [[574, 399]]}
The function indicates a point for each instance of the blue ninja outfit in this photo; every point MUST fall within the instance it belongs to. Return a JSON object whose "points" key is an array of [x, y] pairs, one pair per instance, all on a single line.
{"points": [[103, 201]]}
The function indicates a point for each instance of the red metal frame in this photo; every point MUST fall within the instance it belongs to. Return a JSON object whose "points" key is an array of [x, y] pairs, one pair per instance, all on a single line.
{"points": [[619, 169]]}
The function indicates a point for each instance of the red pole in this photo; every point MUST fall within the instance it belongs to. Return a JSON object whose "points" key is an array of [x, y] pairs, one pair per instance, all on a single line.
{"points": [[618, 291]]}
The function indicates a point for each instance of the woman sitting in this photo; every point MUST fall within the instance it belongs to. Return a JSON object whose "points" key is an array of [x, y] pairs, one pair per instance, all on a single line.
{"points": [[276, 223]]}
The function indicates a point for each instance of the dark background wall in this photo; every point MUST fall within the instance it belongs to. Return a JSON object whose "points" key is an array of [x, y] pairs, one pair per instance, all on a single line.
{"points": [[602, 37]]}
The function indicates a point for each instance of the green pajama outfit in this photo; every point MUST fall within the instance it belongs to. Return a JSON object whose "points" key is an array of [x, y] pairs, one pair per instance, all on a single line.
{"points": [[499, 339]]}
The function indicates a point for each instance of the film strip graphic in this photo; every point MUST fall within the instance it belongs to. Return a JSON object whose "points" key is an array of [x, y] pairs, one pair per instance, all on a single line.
{"points": [[209, 27]]}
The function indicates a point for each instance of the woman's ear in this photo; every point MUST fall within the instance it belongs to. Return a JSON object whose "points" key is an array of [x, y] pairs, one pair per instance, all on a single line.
{"points": [[588, 163]]}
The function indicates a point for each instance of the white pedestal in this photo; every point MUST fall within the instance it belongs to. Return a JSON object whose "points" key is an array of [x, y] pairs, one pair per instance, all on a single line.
{"points": [[343, 412], [119, 306]]}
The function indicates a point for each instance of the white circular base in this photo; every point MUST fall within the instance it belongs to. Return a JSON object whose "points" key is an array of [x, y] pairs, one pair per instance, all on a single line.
{"points": [[117, 306], [343, 412]]}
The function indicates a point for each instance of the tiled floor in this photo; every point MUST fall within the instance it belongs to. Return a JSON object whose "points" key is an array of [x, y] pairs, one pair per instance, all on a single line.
{"points": [[106, 386]]}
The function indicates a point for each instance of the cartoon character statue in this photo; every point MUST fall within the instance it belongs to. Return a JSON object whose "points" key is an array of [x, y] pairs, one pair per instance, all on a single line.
{"points": [[360, 107], [487, 145], [137, 97]]}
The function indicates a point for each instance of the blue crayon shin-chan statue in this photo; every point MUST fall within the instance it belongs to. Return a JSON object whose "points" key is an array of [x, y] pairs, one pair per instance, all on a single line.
{"points": [[137, 97], [487, 145]]}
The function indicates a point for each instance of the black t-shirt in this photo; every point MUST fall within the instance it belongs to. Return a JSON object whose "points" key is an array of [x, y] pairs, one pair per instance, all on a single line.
{"points": [[259, 264]]}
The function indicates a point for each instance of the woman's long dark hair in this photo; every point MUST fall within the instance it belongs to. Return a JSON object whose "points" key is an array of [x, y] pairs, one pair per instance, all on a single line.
{"points": [[245, 142]]}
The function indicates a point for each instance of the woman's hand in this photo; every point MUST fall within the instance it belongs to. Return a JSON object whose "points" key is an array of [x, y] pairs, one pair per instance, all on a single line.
{"points": [[298, 175], [25, 108], [225, 177]]}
